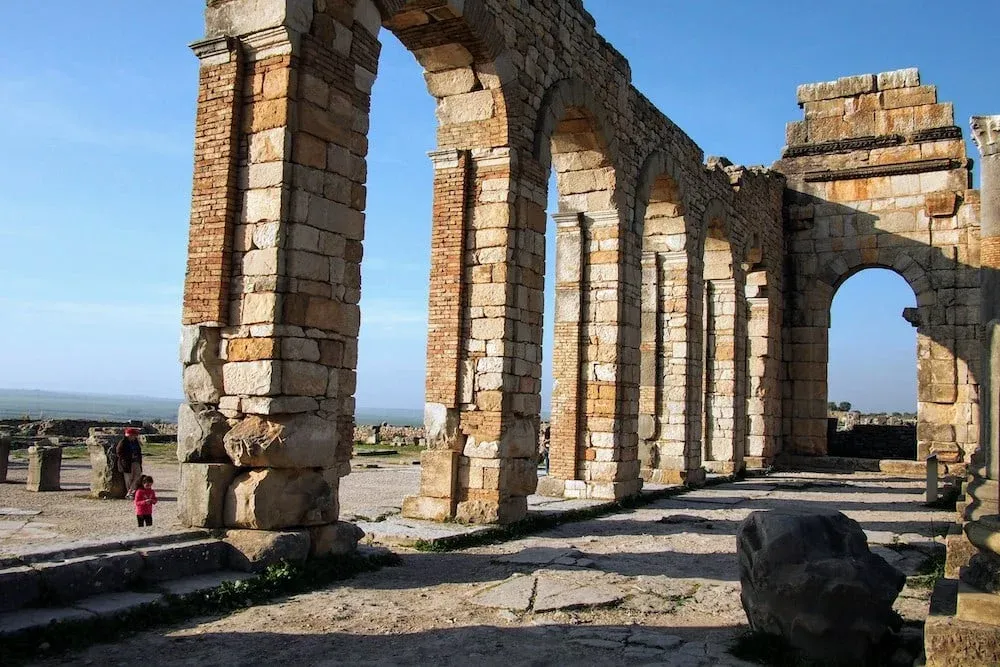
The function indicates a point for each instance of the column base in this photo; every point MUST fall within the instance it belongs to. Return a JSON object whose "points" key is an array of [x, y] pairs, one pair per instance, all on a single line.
{"points": [[725, 467], [949, 640], [758, 462], [693, 478], [981, 496]]}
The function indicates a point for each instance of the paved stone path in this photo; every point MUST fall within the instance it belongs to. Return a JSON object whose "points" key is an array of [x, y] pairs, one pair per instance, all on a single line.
{"points": [[658, 585]]}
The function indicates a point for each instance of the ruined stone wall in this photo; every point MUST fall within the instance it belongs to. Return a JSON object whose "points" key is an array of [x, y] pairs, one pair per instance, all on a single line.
{"points": [[522, 88], [878, 177]]}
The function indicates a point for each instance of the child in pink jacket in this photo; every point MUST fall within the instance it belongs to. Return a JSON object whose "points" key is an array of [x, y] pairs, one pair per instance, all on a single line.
{"points": [[145, 498]]}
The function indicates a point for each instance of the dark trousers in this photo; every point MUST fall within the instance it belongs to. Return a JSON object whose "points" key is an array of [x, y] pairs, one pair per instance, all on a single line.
{"points": [[144, 519]]}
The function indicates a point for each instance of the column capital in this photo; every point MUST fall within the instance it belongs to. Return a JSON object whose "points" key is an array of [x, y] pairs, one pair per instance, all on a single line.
{"points": [[444, 159], [986, 134], [602, 218], [566, 219], [214, 50]]}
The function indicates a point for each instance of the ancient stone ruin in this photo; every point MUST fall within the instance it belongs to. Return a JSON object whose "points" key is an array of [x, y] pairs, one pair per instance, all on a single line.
{"points": [[692, 295]]}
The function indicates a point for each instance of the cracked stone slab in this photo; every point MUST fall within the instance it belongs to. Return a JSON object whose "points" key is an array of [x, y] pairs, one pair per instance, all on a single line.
{"points": [[548, 556], [552, 594], [514, 594], [656, 640]]}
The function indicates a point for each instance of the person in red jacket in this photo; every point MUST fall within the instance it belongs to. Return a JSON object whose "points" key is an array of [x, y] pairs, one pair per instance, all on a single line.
{"points": [[145, 498]]}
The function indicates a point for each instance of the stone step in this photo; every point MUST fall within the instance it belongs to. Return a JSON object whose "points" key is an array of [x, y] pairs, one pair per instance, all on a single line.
{"points": [[978, 606], [950, 641], [70, 575], [112, 604]]}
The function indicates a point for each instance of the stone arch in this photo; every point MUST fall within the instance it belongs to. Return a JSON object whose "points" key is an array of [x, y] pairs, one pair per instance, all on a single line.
{"points": [[665, 235], [723, 344], [938, 367], [574, 139]]}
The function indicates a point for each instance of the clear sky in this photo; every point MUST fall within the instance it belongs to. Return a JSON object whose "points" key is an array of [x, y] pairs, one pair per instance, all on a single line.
{"points": [[96, 116]]}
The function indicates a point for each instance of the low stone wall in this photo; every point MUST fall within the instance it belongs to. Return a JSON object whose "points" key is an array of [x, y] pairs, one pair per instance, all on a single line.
{"points": [[874, 441]]}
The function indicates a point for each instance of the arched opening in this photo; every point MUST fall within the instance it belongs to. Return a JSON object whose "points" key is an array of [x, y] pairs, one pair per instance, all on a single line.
{"points": [[664, 357], [392, 341], [571, 143], [872, 374], [721, 446]]}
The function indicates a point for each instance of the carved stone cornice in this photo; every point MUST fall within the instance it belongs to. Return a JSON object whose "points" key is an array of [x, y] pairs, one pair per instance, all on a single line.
{"points": [[915, 167], [214, 50], [871, 143]]}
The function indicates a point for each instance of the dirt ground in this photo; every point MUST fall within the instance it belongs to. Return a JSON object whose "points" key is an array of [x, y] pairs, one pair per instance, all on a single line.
{"points": [[657, 585]]}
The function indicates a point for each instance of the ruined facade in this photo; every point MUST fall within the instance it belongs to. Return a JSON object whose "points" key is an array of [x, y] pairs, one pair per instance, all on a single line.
{"points": [[692, 296]]}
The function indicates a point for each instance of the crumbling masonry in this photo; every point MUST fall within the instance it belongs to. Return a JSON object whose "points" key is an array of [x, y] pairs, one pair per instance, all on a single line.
{"points": [[692, 296]]}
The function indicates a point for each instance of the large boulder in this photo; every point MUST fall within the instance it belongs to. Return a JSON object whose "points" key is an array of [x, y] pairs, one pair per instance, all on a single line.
{"points": [[811, 579]]}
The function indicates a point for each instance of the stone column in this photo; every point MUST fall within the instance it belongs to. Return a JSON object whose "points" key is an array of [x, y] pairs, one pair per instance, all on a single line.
{"points": [[44, 468], [565, 457], [984, 487], [723, 451]]}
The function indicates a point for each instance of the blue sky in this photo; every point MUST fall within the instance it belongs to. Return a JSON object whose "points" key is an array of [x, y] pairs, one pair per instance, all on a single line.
{"points": [[96, 116]]}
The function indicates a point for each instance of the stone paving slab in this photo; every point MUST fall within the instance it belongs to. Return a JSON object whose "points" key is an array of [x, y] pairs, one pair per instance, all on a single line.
{"points": [[112, 604], [13, 622], [202, 582]]}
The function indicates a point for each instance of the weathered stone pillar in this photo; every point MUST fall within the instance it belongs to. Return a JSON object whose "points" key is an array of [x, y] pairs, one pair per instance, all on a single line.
{"points": [[44, 468], [724, 409], [273, 283], [106, 481], [481, 414], [984, 487], [4, 455], [565, 446]]}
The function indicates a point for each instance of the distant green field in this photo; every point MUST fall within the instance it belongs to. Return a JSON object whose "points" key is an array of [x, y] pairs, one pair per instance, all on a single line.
{"points": [[15, 403]]}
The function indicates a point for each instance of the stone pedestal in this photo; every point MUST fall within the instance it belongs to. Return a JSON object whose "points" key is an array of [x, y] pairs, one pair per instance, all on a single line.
{"points": [[44, 467], [106, 481], [4, 456]]}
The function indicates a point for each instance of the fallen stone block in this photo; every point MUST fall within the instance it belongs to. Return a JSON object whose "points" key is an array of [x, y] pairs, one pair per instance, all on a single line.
{"points": [[106, 481], [812, 580], [44, 468], [255, 550], [335, 539]]}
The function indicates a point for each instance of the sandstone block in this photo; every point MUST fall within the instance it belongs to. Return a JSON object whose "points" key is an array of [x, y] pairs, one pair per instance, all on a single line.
{"points": [[466, 108], [201, 384], [201, 493], [448, 56], [303, 378], [274, 499], [44, 468], [450, 82], [336, 539], [283, 441], [900, 78], [428, 509], [105, 479], [200, 430], [255, 550], [437, 473], [249, 378]]}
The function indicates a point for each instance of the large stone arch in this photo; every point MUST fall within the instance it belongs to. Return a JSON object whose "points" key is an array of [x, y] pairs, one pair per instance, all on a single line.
{"points": [[666, 235], [573, 137], [936, 362], [273, 285], [721, 307]]}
